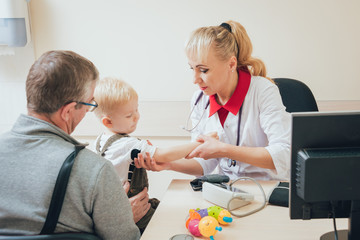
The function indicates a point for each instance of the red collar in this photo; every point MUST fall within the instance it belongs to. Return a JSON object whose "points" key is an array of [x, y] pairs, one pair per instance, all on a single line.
{"points": [[236, 100]]}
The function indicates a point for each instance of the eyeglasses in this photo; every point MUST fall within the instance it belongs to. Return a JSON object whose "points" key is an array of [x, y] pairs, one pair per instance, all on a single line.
{"points": [[93, 104]]}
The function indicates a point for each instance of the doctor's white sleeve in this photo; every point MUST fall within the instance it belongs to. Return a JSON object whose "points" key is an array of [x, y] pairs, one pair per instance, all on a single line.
{"points": [[208, 165], [276, 123]]}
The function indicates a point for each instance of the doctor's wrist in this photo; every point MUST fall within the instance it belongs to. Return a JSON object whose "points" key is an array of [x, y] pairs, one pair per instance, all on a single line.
{"points": [[224, 149]]}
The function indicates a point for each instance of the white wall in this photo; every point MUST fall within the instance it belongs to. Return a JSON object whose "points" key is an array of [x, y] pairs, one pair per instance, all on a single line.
{"points": [[13, 72], [141, 41], [315, 41]]}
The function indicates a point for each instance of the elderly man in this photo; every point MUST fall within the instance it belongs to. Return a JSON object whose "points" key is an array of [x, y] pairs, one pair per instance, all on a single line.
{"points": [[59, 90]]}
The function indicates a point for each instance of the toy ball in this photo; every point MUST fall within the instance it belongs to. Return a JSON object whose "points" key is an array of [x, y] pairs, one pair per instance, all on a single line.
{"points": [[208, 226], [220, 214], [192, 215], [194, 227], [224, 217], [202, 212]]}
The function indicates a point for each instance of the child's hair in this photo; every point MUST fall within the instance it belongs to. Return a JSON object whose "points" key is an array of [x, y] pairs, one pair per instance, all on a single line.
{"points": [[111, 92]]}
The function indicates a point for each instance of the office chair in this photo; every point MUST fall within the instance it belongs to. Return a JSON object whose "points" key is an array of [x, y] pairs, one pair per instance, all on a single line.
{"points": [[60, 236], [296, 95]]}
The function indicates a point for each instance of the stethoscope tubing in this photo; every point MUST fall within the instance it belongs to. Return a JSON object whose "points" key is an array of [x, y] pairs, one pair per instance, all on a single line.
{"points": [[230, 161], [192, 110]]}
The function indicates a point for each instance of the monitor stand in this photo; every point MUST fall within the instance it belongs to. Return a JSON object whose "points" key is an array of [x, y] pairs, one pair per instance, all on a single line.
{"points": [[342, 235], [354, 225]]}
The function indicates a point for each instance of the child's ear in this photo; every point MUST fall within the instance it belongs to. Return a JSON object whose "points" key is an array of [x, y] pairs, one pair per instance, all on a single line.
{"points": [[107, 122]]}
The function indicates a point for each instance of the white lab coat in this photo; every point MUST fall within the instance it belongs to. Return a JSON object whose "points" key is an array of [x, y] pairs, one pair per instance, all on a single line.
{"points": [[264, 123]]}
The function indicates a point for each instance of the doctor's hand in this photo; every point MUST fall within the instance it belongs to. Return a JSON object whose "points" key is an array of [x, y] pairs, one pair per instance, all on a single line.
{"points": [[139, 203], [149, 163], [210, 148], [211, 134]]}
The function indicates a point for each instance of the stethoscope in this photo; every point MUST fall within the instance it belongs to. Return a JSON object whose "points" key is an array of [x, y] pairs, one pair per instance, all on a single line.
{"points": [[230, 162]]}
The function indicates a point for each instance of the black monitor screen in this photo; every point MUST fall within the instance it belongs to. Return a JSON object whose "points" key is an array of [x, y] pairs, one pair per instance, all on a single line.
{"points": [[325, 167]]}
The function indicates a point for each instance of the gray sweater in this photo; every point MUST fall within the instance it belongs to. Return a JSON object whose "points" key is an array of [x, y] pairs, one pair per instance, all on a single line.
{"points": [[31, 155]]}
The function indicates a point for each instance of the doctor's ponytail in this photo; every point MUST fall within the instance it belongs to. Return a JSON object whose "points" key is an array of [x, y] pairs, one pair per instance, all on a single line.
{"points": [[229, 39], [245, 61]]}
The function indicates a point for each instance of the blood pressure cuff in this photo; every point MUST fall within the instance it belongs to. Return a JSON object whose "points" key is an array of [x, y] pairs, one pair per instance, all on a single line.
{"points": [[196, 184], [280, 195]]}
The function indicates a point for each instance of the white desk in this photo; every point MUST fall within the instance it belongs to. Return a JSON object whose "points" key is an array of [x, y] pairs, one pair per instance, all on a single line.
{"points": [[273, 222]]}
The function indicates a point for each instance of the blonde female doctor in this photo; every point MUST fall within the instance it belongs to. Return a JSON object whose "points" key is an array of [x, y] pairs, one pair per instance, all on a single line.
{"points": [[236, 100]]}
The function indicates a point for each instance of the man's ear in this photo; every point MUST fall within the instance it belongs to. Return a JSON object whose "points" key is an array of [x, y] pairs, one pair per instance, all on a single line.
{"points": [[106, 121], [67, 110]]}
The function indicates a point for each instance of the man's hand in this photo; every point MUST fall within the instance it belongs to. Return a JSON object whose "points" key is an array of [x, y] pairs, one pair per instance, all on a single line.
{"points": [[126, 187], [139, 203]]}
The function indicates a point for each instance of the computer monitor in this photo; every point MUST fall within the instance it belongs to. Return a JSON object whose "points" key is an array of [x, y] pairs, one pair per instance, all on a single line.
{"points": [[325, 168]]}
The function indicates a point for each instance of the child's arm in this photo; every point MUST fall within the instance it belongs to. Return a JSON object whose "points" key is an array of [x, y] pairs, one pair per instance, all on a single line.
{"points": [[174, 153], [177, 152]]}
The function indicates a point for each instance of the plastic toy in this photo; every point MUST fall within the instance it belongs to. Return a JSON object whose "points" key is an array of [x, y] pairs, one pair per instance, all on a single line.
{"points": [[205, 222]]}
